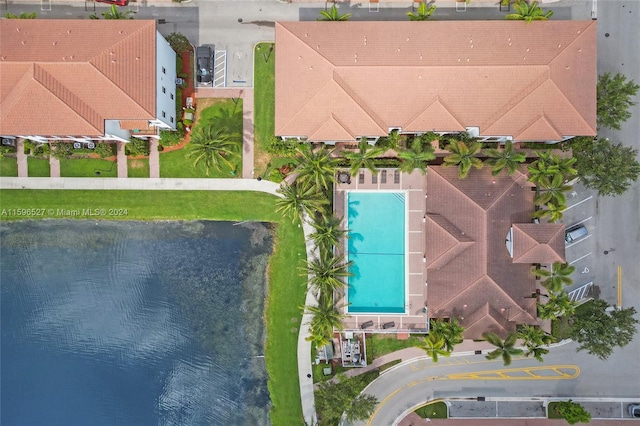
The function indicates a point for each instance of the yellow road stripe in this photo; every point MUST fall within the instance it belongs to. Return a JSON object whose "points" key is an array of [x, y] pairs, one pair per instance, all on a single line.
{"points": [[561, 372], [620, 286]]}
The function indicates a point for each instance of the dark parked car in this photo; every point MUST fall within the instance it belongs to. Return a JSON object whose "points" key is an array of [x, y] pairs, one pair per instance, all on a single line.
{"points": [[205, 65], [116, 2], [634, 410]]}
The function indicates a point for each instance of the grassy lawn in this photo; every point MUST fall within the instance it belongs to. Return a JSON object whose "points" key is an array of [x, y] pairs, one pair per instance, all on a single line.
{"points": [[87, 167], [286, 289], [211, 112], [380, 344], [38, 167], [434, 410], [9, 167], [264, 103], [138, 168]]}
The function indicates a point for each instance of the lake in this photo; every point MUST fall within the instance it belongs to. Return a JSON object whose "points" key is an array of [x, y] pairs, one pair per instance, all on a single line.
{"points": [[133, 323]]}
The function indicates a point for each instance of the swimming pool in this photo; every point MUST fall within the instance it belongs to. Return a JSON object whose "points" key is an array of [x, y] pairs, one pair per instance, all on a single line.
{"points": [[376, 222]]}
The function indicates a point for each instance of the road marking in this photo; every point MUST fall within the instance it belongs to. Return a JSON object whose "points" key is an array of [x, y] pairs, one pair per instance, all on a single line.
{"points": [[580, 258], [619, 286], [579, 241], [558, 372], [579, 202], [578, 223]]}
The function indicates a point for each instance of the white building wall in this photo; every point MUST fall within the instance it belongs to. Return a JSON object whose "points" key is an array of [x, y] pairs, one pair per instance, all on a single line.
{"points": [[165, 83]]}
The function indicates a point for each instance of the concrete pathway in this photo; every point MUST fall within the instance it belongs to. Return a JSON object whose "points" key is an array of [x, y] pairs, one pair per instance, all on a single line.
{"points": [[154, 158], [54, 167], [140, 184], [23, 166], [121, 160]]}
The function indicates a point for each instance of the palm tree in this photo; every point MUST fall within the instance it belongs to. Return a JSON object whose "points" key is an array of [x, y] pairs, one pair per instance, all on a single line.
{"points": [[328, 233], [213, 147], [463, 156], [315, 168], [552, 191], [558, 305], [333, 15], [506, 159], [327, 272], [505, 349], [363, 157], [327, 316], [423, 13], [434, 346], [563, 164], [542, 169], [556, 277], [534, 338], [297, 201], [553, 211], [416, 157], [114, 13], [529, 12], [451, 332]]}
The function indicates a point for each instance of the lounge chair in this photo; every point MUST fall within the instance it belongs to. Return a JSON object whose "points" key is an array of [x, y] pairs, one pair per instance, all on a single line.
{"points": [[387, 325]]}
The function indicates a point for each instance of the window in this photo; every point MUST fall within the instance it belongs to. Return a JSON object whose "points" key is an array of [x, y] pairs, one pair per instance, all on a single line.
{"points": [[374, 178], [396, 176], [171, 96], [164, 70], [383, 176], [164, 114], [171, 119], [164, 90], [361, 177]]}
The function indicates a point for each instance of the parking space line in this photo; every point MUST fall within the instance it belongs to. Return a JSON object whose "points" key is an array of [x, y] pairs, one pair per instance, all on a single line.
{"points": [[579, 241], [580, 258], [619, 286], [578, 223], [579, 202]]}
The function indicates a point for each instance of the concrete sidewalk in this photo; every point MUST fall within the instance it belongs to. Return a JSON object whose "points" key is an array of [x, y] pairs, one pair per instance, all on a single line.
{"points": [[160, 184]]}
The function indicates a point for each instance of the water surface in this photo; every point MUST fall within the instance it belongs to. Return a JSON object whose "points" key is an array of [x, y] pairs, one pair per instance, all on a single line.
{"points": [[131, 323]]}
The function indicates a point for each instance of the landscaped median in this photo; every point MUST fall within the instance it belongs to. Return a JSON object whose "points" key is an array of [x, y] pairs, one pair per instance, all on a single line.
{"points": [[286, 288]]}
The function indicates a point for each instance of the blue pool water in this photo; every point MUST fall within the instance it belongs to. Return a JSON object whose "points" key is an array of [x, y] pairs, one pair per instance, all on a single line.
{"points": [[376, 222]]}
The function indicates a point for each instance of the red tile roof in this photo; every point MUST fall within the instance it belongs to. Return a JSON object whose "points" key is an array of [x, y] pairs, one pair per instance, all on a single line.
{"points": [[470, 273], [538, 243], [342, 80], [66, 77]]}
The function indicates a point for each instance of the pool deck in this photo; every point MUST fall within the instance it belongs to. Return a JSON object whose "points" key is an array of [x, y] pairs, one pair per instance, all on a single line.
{"points": [[415, 186]]}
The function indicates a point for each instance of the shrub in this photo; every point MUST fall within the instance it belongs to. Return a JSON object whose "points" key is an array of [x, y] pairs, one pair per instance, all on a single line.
{"points": [[179, 43], [62, 150], [276, 176], [137, 147], [170, 138], [178, 102], [178, 64], [284, 147], [105, 149]]}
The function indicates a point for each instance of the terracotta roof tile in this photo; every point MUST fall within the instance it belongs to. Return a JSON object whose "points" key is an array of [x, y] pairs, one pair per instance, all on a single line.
{"points": [[482, 208], [498, 76], [538, 243], [69, 76]]}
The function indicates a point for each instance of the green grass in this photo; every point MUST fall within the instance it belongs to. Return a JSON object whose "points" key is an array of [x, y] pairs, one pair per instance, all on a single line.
{"points": [[138, 168], [434, 410], [264, 103], [38, 167], [178, 164], [286, 287], [9, 167], [380, 344], [87, 167]]}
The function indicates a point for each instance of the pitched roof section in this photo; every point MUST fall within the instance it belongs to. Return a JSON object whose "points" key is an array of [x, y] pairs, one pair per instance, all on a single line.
{"points": [[538, 243], [496, 75], [66, 77], [482, 208]]}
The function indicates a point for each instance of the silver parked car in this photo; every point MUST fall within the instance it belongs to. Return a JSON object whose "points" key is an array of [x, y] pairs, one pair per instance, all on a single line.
{"points": [[574, 234], [634, 410]]}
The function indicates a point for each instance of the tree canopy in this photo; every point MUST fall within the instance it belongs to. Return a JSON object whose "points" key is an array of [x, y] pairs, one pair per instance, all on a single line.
{"points": [[614, 99], [572, 412], [609, 168], [333, 399], [598, 332]]}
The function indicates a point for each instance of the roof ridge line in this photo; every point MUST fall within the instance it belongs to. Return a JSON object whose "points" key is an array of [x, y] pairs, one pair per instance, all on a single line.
{"points": [[67, 97], [570, 104], [540, 116], [310, 99], [340, 81], [23, 84], [439, 100]]}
